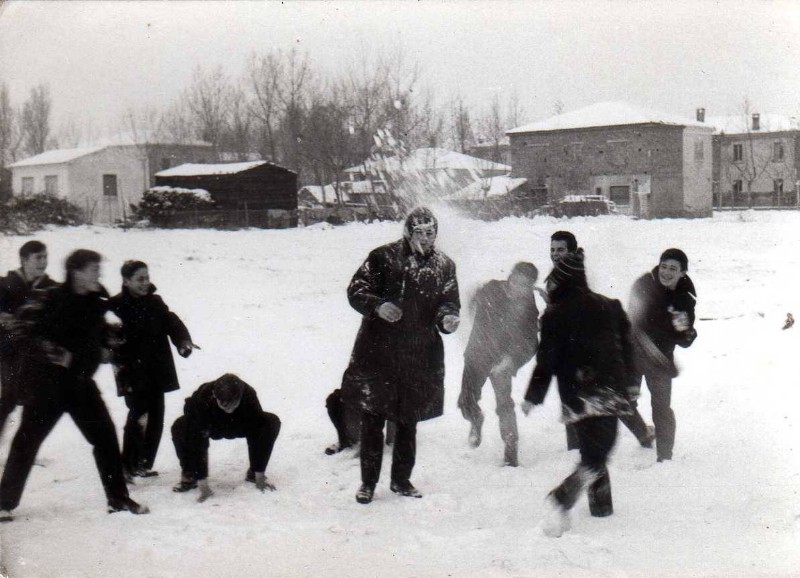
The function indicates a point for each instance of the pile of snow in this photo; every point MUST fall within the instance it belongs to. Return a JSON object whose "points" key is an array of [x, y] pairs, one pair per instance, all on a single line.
{"points": [[270, 305]]}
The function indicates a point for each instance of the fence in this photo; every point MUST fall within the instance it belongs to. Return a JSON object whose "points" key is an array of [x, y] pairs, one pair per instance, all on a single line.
{"points": [[229, 219]]}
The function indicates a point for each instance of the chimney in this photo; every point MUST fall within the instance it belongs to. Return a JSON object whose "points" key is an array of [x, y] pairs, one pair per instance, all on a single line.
{"points": [[756, 121], [701, 115]]}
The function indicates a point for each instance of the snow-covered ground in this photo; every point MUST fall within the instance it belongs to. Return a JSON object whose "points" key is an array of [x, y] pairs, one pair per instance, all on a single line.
{"points": [[271, 306]]}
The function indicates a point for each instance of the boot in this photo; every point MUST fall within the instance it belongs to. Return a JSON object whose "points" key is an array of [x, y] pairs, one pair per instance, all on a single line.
{"points": [[599, 493], [126, 505], [556, 519], [405, 489], [6, 516], [365, 493], [647, 440]]}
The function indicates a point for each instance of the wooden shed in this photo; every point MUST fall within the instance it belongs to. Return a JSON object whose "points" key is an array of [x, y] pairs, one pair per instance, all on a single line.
{"points": [[254, 185]]}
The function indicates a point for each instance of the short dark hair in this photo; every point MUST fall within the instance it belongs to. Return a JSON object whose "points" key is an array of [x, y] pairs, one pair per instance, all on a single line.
{"points": [[228, 388], [527, 270], [675, 255], [31, 248], [572, 242], [78, 259], [130, 267]]}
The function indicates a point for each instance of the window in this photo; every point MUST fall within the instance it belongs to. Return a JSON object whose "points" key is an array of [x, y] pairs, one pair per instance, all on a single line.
{"points": [[777, 186], [777, 151], [737, 187], [699, 150], [621, 195], [51, 185], [738, 152], [109, 185], [27, 185]]}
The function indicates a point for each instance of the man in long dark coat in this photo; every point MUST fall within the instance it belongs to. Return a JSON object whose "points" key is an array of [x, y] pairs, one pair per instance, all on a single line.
{"points": [[407, 293], [586, 344]]}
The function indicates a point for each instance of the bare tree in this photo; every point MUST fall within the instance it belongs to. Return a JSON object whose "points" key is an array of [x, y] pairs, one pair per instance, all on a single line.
{"points": [[8, 125], [294, 86], [175, 124], [265, 72], [493, 128], [208, 99], [461, 124], [36, 120], [238, 135], [515, 112], [748, 160]]}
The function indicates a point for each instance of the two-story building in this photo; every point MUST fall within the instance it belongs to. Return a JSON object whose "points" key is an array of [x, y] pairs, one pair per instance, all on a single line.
{"points": [[650, 164]]}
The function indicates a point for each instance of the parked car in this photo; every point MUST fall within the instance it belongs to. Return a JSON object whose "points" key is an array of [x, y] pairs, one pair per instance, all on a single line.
{"points": [[579, 206]]}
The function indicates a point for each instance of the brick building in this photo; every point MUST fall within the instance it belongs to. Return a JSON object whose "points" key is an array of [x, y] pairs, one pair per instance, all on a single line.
{"points": [[650, 164]]}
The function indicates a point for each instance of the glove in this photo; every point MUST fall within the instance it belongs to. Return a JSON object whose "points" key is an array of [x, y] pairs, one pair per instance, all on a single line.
{"points": [[389, 312], [262, 483], [450, 323]]}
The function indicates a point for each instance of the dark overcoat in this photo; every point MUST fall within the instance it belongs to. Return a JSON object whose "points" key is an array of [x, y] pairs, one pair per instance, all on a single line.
{"points": [[143, 363], [397, 369], [586, 344]]}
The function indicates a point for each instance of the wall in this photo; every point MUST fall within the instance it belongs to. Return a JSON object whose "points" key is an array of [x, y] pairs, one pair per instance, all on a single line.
{"points": [[573, 161], [38, 173], [697, 172], [762, 144]]}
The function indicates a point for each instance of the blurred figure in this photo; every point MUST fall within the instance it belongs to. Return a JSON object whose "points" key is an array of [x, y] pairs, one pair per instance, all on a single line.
{"points": [[407, 293], [585, 343], [503, 339]]}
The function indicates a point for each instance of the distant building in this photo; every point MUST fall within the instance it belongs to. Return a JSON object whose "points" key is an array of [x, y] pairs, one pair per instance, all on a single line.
{"points": [[253, 185], [756, 159], [650, 164], [498, 152], [103, 179], [490, 197]]}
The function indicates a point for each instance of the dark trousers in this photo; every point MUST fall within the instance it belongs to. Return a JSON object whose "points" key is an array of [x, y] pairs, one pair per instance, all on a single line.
{"points": [[404, 453], [472, 380], [660, 387], [8, 390], [596, 436], [143, 428], [90, 414], [192, 447], [347, 421]]}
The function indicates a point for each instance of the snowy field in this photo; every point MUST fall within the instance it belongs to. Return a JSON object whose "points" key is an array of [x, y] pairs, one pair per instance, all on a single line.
{"points": [[271, 306]]}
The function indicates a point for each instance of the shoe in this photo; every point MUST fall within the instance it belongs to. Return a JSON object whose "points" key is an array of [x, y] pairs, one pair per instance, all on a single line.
{"points": [[649, 437], [128, 476], [126, 505], [663, 459], [185, 486], [474, 438], [6, 516], [250, 476], [143, 473], [365, 494], [405, 489], [556, 519]]}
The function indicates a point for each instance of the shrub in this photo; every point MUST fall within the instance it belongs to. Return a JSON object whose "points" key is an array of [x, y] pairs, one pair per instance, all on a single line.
{"points": [[160, 204], [31, 212]]}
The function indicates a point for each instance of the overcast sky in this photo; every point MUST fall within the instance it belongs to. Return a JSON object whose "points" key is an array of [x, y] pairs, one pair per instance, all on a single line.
{"points": [[101, 57]]}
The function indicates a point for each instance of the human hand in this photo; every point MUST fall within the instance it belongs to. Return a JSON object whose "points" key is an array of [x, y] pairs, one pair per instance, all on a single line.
{"points": [[185, 349], [205, 491], [680, 319], [263, 484], [390, 312], [450, 323]]}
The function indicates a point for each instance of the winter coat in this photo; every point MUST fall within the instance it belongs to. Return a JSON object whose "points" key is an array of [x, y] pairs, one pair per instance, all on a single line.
{"points": [[16, 294], [73, 322], [143, 363], [505, 324], [649, 310], [204, 418], [397, 369], [586, 344]]}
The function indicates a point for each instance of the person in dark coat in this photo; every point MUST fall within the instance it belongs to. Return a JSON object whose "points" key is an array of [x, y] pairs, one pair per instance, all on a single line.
{"points": [[661, 309], [20, 287], [504, 337], [143, 366], [71, 333], [347, 422], [407, 293], [585, 343], [224, 408]]}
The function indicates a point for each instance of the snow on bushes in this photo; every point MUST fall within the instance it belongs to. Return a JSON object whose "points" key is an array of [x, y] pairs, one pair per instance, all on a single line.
{"points": [[159, 204]]}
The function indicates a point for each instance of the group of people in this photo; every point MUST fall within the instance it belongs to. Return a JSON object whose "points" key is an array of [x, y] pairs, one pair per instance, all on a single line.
{"points": [[54, 336], [407, 294]]}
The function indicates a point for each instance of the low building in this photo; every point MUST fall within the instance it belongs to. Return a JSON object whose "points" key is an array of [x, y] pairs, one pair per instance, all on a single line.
{"points": [[492, 197], [756, 159], [649, 164], [105, 179], [253, 185]]}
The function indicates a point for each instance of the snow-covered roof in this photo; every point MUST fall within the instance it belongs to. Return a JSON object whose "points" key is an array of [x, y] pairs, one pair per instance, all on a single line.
{"points": [[197, 170], [55, 157], [739, 124], [425, 159], [144, 137], [485, 188], [605, 114], [330, 193], [199, 193]]}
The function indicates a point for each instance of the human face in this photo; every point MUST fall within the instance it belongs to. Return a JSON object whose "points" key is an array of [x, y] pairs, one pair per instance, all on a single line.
{"points": [[423, 238], [34, 265], [228, 407], [557, 250], [87, 279], [139, 283], [669, 273]]}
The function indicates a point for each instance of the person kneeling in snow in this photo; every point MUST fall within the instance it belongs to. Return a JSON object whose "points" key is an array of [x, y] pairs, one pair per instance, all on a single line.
{"points": [[585, 343], [224, 408]]}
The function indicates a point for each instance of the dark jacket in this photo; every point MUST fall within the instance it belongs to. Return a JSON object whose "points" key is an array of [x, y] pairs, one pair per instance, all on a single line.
{"points": [[397, 369], [505, 324], [143, 363], [586, 344], [72, 322], [204, 418], [649, 309]]}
